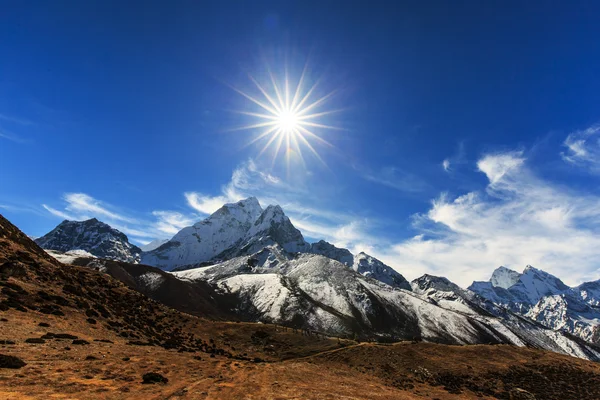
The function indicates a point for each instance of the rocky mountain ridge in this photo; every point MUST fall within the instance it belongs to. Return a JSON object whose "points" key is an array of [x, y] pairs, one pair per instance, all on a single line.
{"points": [[92, 236], [544, 298]]}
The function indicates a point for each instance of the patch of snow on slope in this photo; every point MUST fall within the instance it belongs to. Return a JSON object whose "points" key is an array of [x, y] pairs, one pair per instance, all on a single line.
{"points": [[151, 280], [69, 256], [267, 293]]}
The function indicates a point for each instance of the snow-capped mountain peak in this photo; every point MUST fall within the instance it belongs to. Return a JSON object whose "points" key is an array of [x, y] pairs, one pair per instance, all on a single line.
{"points": [[93, 236], [206, 239], [273, 226], [335, 253], [589, 292], [244, 210], [371, 267], [534, 284], [504, 277], [544, 298]]}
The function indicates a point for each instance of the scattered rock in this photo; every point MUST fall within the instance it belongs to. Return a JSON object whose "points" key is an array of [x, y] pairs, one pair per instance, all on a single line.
{"points": [[4, 341], [80, 341], [91, 313], [35, 340], [11, 362], [126, 358], [91, 358], [3, 320], [91, 321], [44, 325], [153, 377], [64, 336]]}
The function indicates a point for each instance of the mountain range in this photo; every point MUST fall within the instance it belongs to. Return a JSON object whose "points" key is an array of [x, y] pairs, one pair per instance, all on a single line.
{"points": [[544, 298], [269, 273]]}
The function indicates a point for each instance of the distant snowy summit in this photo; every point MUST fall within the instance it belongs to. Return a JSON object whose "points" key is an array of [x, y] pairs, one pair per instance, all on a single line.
{"points": [[244, 228], [544, 298], [92, 236], [155, 244]]}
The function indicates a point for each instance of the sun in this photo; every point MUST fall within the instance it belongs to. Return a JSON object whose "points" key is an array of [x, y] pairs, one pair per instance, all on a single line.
{"points": [[288, 121], [288, 116]]}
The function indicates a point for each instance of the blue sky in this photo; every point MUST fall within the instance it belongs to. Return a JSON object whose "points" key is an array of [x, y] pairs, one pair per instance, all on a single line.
{"points": [[468, 133]]}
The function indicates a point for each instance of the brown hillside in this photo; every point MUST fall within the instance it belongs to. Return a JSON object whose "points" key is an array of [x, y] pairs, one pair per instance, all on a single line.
{"points": [[83, 334]]}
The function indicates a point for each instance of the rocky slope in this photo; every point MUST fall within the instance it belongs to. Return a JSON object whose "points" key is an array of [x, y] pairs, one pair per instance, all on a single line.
{"points": [[92, 236], [546, 299], [317, 293]]}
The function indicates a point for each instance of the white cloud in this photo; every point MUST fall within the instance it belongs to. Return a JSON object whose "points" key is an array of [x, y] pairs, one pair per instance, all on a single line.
{"points": [[61, 214], [395, 178], [446, 164], [82, 203], [20, 121], [455, 159], [140, 231], [519, 220], [583, 148], [207, 204], [12, 137], [495, 166], [171, 222]]}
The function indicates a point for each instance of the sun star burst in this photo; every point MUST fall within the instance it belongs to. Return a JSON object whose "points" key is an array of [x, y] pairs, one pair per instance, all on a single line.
{"points": [[288, 120]]}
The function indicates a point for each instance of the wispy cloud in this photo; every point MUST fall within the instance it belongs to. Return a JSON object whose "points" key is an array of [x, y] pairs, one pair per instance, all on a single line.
{"points": [[208, 204], [163, 223], [395, 178], [519, 219], [63, 214], [16, 124], [457, 158], [12, 137], [583, 148], [16, 120], [84, 204], [172, 222], [446, 164]]}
